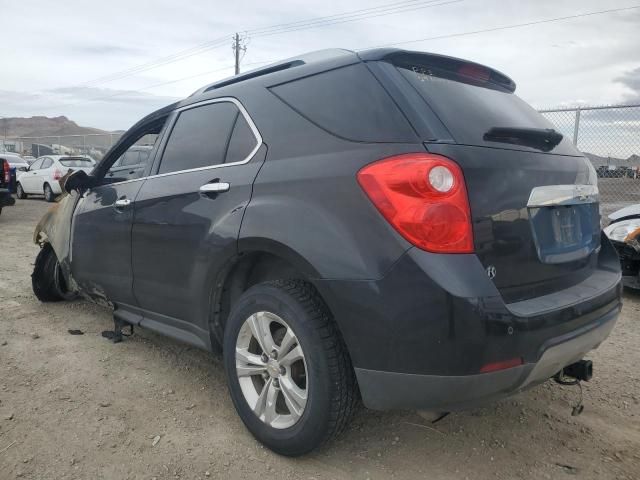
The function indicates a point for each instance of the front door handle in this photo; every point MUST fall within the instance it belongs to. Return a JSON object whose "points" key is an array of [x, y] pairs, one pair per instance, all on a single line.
{"points": [[122, 203], [217, 187]]}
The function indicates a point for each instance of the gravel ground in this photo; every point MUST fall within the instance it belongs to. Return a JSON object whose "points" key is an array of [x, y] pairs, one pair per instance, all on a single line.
{"points": [[77, 406]]}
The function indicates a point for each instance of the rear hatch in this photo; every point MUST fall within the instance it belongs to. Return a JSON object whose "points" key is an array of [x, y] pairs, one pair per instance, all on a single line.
{"points": [[533, 196], [76, 163]]}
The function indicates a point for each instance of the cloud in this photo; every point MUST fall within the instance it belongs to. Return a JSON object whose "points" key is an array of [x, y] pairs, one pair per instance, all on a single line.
{"points": [[631, 80]]}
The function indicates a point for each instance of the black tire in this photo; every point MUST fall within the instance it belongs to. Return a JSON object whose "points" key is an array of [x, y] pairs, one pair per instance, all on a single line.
{"points": [[332, 394], [43, 278], [48, 193], [20, 192]]}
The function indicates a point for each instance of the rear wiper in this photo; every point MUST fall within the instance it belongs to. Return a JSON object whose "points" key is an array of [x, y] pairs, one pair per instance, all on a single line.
{"points": [[544, 139]]}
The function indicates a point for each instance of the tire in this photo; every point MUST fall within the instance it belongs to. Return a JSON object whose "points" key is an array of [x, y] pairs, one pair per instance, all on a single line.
{"points": [[43, 278], [48, 193], [20, 192], [329, 379]]}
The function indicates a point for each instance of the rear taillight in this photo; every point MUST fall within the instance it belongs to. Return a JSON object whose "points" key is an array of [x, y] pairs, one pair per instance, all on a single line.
{"points": [[424, 197], [57, 174], [6, 171]]}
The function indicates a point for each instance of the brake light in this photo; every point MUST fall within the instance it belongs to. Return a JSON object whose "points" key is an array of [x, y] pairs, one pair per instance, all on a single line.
{"points": [[57, 174], [424, 197], [6, 171]]}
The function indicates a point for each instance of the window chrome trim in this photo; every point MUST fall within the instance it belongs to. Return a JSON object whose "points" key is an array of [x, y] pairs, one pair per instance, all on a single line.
{"points": [[245, 114], [549, 195], [247, 117]]}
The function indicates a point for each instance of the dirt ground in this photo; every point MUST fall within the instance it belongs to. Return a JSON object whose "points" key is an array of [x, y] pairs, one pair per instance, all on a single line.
{"points": [[79, 407]]}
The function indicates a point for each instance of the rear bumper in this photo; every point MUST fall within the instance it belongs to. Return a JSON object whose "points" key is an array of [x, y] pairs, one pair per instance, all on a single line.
{"points": [[6, 200], [386, 390], [421, 336]]}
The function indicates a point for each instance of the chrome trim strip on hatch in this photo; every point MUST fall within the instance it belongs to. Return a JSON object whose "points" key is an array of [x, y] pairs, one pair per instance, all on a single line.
{"points": [[549, 195]]}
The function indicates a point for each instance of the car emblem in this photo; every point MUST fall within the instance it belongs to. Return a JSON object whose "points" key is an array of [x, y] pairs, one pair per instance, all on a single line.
{"points": [[491, 271]]}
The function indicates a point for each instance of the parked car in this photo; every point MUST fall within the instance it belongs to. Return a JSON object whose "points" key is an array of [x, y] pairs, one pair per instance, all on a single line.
{"points": [[132, 163], [6, 199], [624, 233], [42, 176], [387, 225], [16, 164]]}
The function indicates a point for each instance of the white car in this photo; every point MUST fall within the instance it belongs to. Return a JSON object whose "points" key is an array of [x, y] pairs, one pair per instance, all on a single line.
{"points": [[42, 177]]}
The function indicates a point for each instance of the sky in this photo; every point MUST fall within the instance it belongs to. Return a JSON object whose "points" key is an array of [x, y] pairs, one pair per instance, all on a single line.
{"points": [[90, 61]]}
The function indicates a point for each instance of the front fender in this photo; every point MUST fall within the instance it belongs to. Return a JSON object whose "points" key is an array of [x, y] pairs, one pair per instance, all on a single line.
{"points": [[54, 228]]}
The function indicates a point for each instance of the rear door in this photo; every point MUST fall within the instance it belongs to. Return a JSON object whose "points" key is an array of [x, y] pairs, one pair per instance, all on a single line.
{"points": [[45, 175], [188, 214], [533, 196]]}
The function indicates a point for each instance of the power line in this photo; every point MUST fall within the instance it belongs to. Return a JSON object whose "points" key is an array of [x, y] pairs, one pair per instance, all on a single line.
{"points": [[507, 27], [459, 34], [356, 15]]}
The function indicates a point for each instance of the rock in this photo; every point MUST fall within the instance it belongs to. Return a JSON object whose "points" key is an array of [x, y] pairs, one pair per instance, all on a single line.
{"points": [[35, 336], [4, 342], [105, 404], [156, 439], [207, 474], [9, 417]]}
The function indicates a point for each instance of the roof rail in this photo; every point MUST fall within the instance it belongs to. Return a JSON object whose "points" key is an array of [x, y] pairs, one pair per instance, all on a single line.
{"points": [[305, 59]]}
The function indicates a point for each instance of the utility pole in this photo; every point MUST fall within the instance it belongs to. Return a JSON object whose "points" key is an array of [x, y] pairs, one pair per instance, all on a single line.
{"points": [[237, 47]]}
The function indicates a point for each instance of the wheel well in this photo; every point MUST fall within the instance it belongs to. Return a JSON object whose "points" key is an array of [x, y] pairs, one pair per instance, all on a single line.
{"points": [[250, 269]]}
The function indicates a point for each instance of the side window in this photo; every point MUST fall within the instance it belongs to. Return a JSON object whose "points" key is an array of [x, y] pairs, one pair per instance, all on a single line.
{"points": [[47, 163], [242, 141], [37, 164], [199, 137]]}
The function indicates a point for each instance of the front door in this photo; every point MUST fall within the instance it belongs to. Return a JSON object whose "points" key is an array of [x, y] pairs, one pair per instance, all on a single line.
{"points": [[187, 215], [101, 228], [28, 179]]}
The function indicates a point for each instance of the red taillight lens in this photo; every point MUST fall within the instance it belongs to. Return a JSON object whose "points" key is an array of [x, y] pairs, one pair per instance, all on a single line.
{"points": [[57, 174], [6, 171], [424, 197]]}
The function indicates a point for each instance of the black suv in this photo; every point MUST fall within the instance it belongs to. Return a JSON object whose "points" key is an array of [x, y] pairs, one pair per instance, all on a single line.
{"points": [[387, 225]]}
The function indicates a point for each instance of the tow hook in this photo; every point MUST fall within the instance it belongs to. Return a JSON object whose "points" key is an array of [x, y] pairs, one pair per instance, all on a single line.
{"points": [[572, 375]]}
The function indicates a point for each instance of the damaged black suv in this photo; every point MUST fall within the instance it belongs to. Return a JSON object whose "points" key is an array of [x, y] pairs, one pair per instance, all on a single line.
{"points": [[391, 226]]}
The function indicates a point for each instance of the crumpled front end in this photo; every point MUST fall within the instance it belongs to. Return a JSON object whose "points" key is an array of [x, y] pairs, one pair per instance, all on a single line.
{"points": [[54, 228]]}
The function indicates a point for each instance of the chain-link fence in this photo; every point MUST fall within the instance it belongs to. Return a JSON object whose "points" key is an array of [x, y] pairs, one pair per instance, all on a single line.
{"points": [[610, 138], [92, 145]]}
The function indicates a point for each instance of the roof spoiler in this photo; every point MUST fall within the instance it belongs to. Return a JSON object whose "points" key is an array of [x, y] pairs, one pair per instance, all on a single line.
{"points": [[443, 66]]}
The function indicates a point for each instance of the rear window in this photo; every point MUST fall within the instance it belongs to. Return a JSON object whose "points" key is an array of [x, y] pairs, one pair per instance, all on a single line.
{"points": [[76, 162], [470, 103], [349, 103]]}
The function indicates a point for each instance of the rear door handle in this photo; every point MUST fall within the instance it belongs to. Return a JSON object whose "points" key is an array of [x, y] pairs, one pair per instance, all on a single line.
{"points": [[217, 187]]}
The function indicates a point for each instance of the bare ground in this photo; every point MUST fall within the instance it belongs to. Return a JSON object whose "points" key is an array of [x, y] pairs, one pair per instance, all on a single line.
{"points": [[81, 407]]}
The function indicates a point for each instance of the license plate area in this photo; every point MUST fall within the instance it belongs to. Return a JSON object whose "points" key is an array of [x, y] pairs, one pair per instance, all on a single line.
{"points": [[564, 233]]}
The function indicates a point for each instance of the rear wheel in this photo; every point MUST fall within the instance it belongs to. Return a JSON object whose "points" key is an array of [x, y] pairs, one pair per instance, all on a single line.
{"points": [[48, 193], [288, 370], [20, 192]]}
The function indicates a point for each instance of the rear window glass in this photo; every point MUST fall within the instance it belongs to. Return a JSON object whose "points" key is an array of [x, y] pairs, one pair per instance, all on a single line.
{"points": [[470, 110], [347, 102], [242, 141], [76, 162]]}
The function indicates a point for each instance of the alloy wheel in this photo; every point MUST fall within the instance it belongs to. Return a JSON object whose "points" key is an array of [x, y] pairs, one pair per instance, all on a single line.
{"points": [[271, 370]]}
